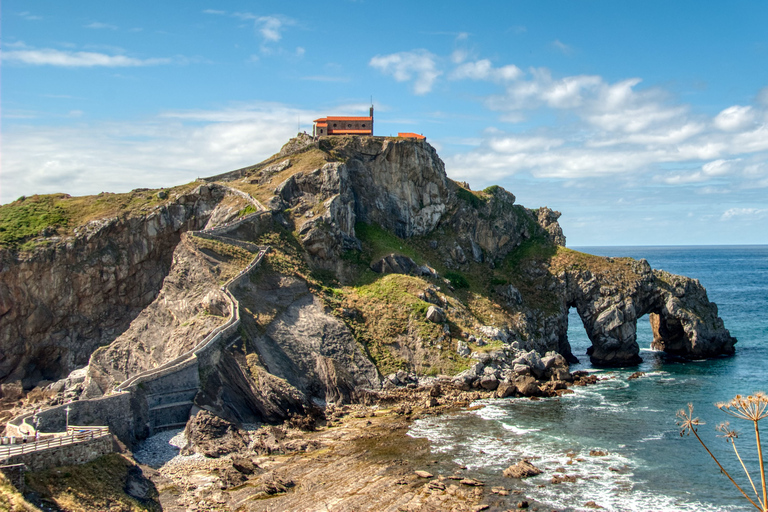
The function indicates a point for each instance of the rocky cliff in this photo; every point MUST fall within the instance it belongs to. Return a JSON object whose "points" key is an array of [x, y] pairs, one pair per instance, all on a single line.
{"points": [[378, 264]]}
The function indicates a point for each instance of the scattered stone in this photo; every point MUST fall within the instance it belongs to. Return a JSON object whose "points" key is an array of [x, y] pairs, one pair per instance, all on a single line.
{"points": [[592, 504], [436, 314], [522, 469], [635, 375], [471, 481], [597, 453], [559, 479], [423, 474], [522, 504]]}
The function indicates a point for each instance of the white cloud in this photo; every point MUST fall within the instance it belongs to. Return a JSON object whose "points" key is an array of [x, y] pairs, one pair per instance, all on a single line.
{"points": [[417, 65], [28, 16], [562, 47], [52, 57], [708, 171], [734, 118], [171, 148], [269, 27], [99, 25], [745, 213], [484, 70]]}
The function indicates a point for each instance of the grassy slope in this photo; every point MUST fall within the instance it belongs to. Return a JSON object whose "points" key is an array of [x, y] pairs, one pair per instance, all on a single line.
{"points": [[24, 219], [95, 486]]}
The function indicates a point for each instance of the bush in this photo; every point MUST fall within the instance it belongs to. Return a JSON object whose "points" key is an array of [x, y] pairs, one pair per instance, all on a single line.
{"points": [[457, 280]]}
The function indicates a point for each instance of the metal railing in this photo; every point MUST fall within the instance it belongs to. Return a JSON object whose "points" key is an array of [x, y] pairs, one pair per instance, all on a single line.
{"points": [[71, 437]]}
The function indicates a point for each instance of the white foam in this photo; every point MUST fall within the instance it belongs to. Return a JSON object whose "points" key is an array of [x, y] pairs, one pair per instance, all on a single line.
{"points": [[519, 430]]}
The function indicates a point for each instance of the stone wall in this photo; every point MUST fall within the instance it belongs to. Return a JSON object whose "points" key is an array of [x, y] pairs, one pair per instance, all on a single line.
{"points": [[68, 455]]}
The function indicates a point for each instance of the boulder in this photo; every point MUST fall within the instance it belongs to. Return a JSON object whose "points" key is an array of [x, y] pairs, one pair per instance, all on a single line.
{"points": [[436, 314], [522, 469], [213, 436], [506, 389], [489, 382]]}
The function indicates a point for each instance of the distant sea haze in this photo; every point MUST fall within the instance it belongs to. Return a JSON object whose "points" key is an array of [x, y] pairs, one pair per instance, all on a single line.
{"points": [[648, 466]]}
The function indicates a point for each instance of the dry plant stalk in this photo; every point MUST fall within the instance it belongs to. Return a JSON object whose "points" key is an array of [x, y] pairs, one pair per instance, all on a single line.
{"points": [[751, 408]]}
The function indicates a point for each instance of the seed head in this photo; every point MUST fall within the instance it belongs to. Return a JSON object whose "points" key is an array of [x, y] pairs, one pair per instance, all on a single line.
{"points": [[687, 422], [753, 407], [728, 434]]}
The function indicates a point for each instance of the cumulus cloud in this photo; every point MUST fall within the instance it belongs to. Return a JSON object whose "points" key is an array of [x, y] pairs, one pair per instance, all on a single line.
{"points": [[484, 70], [73, 59], [708, 171], [168, 149], [734, 118], [419, 66]]}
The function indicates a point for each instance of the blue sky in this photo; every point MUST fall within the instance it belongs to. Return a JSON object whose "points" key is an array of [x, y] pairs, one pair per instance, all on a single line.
{"points": [[644, 123]]}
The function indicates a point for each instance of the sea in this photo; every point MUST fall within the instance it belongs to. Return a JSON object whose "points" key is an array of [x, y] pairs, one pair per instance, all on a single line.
{"points": [[647, 465]]}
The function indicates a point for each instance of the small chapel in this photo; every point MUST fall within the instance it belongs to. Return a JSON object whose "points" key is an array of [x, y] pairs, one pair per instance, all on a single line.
{"points": [[340, 125]]}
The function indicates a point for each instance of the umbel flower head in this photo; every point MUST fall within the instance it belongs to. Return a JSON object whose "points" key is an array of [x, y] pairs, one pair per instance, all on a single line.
{"points": [[753, 407], [728, 434], [687, 422]]}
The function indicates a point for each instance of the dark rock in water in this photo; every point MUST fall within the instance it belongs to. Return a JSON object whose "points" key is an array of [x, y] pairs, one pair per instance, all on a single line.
{"points": [[635, 375], [213, 436], [522, 469]]}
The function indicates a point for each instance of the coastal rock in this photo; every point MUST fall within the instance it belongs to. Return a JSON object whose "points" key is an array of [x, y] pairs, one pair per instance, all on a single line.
{"points": [[213, 436], [522, 469]]}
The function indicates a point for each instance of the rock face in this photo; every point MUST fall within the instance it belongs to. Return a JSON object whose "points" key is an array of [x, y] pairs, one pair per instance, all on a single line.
{"points": [[58, 304], [307, 332], [213, 436], [683, 319]]}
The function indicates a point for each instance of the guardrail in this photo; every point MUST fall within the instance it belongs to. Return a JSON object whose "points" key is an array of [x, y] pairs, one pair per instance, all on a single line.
{"points": [[8, 451]]}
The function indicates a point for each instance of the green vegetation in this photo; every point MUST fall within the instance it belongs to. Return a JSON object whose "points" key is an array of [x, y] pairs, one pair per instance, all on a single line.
{"points": [[28, 217], [11, 500], [246, 211], [457, 280], [473, 199], [378, 242], [492, 189], [59, 214], [95, 486]]}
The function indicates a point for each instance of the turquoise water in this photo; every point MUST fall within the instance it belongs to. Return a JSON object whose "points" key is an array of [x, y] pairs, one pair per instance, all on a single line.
{"points": [[649, 467]]}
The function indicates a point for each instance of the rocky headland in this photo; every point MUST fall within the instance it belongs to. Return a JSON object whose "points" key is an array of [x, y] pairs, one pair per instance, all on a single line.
{"points": [[339, 271]]}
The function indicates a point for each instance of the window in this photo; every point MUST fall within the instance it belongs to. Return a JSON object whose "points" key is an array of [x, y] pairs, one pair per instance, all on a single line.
{"points": [[363, 125], [349, 126], [334, 125]]}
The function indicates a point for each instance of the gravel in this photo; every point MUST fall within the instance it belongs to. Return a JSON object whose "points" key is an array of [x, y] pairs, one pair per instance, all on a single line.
{"points": [[163, 448]]}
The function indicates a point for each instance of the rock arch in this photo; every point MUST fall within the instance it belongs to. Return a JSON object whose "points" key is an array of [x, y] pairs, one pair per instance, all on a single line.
{"points": [[683, 320]]}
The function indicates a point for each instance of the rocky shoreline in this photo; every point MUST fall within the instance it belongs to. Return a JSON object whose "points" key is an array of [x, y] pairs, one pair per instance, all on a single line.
{"points": [[347, 457]]}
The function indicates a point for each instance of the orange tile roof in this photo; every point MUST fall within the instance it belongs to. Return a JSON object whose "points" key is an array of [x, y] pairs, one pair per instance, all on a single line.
{"points": [[411, 135], [347, 118], [321, 125]]}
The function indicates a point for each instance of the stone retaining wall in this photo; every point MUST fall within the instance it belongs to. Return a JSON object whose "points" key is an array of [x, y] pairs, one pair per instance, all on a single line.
{"points": [[67, 455]]}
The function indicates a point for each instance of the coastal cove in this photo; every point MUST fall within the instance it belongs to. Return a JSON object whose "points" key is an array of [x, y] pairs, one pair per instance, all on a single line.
{"points": [[648, 465]]}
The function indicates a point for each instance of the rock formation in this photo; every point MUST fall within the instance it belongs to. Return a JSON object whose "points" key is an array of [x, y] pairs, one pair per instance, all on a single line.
{"points": [[378, 264]]}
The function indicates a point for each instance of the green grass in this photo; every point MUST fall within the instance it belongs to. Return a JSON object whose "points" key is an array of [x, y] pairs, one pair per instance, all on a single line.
{"points": [[27, 217], [473, 199], [24, 219], [457, 280]]}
